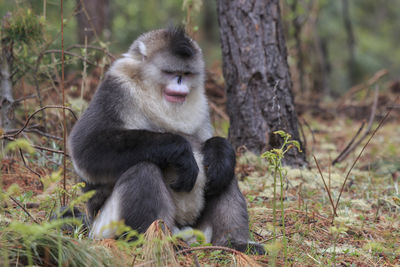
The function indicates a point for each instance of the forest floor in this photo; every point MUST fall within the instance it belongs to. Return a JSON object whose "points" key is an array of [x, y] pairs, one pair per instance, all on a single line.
{"points": [[365, 232]]}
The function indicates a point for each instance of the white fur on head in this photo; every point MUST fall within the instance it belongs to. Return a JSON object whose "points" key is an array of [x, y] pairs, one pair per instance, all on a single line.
{"points": [[142, 48]]}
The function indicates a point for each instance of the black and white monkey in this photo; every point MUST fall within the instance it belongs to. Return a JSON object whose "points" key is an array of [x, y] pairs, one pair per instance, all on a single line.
{"points": [[146, 145]]}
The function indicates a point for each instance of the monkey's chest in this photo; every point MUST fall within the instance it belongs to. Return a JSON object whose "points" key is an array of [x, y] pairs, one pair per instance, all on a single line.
{"points": [[188, 205]]}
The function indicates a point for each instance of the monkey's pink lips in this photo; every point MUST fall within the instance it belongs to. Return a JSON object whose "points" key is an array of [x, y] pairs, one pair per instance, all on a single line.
{"points": [[174, 96]]}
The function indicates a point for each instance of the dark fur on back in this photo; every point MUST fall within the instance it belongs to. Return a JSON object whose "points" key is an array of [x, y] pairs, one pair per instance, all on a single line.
{"points": [[180, 43]]}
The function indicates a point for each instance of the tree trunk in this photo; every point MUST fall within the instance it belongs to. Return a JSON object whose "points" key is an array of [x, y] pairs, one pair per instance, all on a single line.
{"points": [[6, 97], [352, 66], [93, 18], [257, 76]]}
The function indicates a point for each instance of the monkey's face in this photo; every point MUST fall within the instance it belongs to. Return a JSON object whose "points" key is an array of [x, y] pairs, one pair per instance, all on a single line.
{"points": [[177, 78], [170, 63]]}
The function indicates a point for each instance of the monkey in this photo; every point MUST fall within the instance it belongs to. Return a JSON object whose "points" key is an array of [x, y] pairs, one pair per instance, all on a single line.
{"points": [[145, 145]]}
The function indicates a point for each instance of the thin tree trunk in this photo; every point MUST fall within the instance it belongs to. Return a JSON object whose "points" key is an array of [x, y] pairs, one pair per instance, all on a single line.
{"points": [[321, 67], [6, 96], [257, 76], [352, 71]]}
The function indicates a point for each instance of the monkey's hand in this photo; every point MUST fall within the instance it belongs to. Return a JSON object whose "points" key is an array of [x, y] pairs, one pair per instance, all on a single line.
{"points": [[186, 166], [219, 160]]}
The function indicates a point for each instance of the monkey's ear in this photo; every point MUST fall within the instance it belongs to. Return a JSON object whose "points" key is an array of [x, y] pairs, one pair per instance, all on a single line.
{"points": [[138, 50], [142, 48]]}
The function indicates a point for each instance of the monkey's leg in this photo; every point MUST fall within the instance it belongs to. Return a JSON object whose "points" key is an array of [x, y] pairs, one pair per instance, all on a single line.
{"points": [[225, 217], [94, 204], [140, 197]]}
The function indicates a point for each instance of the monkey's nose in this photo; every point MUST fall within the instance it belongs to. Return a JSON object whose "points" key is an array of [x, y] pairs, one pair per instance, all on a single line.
{"points": [[179, 80]]}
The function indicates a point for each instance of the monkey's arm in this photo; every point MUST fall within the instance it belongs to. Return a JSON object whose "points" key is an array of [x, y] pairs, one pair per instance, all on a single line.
{"points": [[219, 160], [110, 152]]}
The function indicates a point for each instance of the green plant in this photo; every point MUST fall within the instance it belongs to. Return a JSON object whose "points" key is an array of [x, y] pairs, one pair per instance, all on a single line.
{"points": [[24, 26], [33, 244], [275, 156]]}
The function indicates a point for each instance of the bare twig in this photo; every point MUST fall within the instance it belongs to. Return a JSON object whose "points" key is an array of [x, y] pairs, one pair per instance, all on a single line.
{"points": [[219, 111], [37, 131], [339, 158], [23, 208], [393, 107], [326, 187], [26, 166], [33, 114], [69, 53], [10, 138], [304, 141], [312, 133], [105, 51], [350, 148], [32, 129], [362, 150], [24, 98], [376, 77]]}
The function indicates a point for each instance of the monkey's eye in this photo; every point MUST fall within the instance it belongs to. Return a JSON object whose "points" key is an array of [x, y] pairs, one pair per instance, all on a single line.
{"points": [[168, 72]]}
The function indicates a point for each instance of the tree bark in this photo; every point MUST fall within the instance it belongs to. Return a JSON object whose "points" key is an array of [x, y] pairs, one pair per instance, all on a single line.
{"points": [[257, 76], [93, 18]]}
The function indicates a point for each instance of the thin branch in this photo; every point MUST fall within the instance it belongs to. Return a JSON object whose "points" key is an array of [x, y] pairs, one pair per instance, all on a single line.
{"points": [[33, 114], [312, 133], [23, 208], [362, 150], [375, 78], [10, 138], [339, 158], [326, 187], [304, 141], [37, 131], [33, 129], [24, 98], [393, 107], [219, 111], [71, 54], [105, 51], [26, 165], [347, 151]]}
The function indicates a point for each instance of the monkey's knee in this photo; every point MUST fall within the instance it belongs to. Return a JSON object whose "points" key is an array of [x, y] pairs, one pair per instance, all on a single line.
{"points": [[146, 197], [139, 198]]}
